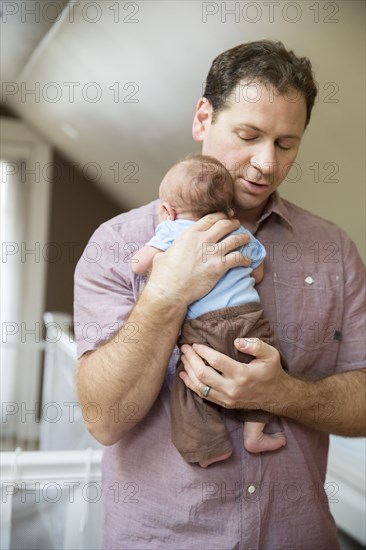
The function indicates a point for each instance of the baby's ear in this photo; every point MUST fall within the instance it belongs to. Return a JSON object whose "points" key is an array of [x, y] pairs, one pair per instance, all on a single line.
{"points": [[168, 212]]}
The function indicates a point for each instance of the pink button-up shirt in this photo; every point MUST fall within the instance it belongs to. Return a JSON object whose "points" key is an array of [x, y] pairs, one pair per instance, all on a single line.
{"points": [[313, 294]]}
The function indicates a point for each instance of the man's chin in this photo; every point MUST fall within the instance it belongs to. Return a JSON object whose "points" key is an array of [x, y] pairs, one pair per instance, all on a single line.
{"points": [[245, 200]]}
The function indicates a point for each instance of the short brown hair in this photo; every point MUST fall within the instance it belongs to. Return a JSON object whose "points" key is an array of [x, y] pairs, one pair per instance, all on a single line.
{"points": [[265, 62]]}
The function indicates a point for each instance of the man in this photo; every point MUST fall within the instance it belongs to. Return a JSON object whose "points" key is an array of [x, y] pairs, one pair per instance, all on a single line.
{"points": [[257, 103]]}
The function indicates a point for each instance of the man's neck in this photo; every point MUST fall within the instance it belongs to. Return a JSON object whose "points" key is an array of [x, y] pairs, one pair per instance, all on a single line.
{"points": [[248, 218]]}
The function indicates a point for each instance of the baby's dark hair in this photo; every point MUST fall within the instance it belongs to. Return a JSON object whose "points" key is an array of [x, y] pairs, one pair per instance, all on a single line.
{"points": [[206, 186]]}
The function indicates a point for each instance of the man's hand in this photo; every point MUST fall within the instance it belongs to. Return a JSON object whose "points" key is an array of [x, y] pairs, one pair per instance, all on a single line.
{"points": [[240, 385], [197, 259], [335, 404]]}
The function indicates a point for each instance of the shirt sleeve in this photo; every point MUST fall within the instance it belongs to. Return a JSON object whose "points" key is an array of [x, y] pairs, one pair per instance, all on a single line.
{"points": [[254, 250], [164, 236], [103, 293], [352, 349]]}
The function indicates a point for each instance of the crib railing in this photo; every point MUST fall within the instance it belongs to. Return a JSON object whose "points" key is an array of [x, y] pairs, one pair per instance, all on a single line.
{"points": [[43, 412], [51, 500], [61, 420]]}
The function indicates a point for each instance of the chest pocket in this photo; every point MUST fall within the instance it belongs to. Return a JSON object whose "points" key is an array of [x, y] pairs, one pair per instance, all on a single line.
{"points": [[308, 315]]}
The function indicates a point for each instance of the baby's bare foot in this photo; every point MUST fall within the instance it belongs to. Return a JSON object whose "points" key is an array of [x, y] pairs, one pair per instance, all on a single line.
{"points": [[206, 463], [265, 442]]}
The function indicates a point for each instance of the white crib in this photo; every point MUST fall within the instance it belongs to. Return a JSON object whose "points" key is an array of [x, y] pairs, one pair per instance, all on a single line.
{"points": [[52, 498]]}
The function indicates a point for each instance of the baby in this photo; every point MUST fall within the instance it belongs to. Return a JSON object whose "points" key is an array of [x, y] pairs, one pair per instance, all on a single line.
{"points": [[196, 186]]}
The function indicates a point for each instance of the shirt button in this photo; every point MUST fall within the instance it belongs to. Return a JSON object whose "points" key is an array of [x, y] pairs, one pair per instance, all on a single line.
{"points": [[251, 489], [309, 280]]}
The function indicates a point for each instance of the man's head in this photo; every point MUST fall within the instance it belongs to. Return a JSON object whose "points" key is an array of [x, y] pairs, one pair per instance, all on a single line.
{"points": [[257, 103], [195, 186]]}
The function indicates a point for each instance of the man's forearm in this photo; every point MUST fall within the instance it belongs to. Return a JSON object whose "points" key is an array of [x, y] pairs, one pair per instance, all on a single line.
{"points": [[123, 377], [335, 404]]}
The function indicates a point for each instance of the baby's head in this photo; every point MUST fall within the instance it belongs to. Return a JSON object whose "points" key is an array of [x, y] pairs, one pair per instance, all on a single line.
{"points": [[196, 186]]}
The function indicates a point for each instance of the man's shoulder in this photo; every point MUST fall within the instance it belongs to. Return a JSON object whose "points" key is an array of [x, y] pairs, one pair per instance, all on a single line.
{"points": [[136, 216], [311, 230], [305, 221], [137, 224]]}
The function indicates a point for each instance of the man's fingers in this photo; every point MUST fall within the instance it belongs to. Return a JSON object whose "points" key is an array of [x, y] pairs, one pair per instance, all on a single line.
{"points": [[206, 222], [221, 228], [230, 252], [256, 347], [216, 226], [217, 361], [195, 376], [212, 394], [221, 362], [227, 252]]}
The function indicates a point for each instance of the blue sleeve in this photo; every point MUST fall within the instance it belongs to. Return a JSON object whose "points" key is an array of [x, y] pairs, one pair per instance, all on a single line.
{"points": [[164, 236], [254, 250]]}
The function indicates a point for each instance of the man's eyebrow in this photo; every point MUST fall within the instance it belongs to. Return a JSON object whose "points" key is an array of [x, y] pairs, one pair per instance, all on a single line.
{"points": [[245, 126]]}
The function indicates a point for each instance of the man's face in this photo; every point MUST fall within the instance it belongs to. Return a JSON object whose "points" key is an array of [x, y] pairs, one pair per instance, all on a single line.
{"points": [[256, 137]]}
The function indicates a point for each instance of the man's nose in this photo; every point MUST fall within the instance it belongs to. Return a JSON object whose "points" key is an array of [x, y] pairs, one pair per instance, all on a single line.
{"points": [[265, 160]]}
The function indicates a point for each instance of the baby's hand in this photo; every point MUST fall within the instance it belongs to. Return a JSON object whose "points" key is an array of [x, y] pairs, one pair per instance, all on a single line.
{"points": [[258, 273], [145, 257]]}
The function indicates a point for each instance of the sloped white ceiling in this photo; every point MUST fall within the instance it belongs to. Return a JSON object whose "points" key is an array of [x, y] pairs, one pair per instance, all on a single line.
{"points": [[23, 25]]}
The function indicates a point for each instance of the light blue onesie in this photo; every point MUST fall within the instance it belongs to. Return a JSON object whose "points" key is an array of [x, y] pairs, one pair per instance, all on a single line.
{"points": [[236, 286]]}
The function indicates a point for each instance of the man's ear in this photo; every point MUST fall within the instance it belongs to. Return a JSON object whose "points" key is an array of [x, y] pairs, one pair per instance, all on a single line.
{"points": [[202, 119]]}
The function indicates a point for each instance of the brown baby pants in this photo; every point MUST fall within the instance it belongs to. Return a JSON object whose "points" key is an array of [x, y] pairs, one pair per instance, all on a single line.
{"points": [[197, 425]]}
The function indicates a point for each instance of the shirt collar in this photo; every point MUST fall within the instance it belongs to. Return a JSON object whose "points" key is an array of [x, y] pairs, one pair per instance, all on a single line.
{"points": [[275, 205]]}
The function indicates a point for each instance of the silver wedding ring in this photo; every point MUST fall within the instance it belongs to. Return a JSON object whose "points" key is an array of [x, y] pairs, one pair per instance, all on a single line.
{"points": [[206, 391]]}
